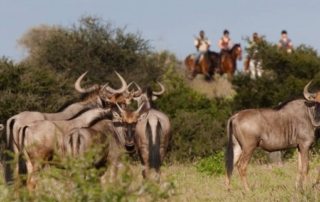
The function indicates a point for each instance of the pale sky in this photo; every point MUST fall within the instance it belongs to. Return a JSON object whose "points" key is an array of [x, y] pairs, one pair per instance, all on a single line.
{"points": [[168, 24]]}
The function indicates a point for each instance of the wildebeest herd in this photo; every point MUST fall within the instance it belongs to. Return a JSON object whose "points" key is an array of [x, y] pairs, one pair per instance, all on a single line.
{"points": [[102, 118]]}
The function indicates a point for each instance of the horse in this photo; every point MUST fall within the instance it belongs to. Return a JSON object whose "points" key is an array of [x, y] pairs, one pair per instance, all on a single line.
{"points": [[228, 60], [207, 65]]}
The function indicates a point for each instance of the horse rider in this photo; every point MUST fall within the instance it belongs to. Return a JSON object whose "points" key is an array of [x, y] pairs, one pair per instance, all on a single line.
{"points": [[224, 44], [253, 65], [202, 45], [285, 43], [252, 49]]}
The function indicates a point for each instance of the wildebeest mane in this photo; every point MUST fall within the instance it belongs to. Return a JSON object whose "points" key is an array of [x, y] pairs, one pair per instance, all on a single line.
{"points": [[79, 113], [284, 103], [66, 104], [107, 116]]}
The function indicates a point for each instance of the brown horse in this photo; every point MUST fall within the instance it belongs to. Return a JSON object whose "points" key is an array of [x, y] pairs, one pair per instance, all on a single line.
{"points": [[207, 65], [228, 60]]}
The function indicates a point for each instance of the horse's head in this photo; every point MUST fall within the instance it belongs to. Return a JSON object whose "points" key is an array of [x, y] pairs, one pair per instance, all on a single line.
{"points": [[237, 51]]}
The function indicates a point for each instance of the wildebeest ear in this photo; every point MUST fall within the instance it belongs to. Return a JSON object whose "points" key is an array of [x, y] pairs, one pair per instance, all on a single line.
{"points": [[116, 116], [143, 116], [154, 98]]}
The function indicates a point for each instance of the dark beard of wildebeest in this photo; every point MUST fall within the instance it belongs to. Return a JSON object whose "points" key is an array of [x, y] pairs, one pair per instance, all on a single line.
{"points": [[292, 125], [317, 112]]}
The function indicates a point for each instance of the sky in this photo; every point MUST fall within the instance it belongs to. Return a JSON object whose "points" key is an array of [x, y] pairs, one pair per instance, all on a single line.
{"points": [[167, 24]]}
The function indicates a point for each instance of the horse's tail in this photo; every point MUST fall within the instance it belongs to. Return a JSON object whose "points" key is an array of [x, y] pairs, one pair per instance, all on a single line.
{"points": [[154, 146], [186, 60], [229, 151]]}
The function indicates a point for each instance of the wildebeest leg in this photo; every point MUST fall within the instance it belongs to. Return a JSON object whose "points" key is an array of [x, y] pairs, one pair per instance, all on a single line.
{"points": [[303, 166], [236, 155], [31, 168], [236, 150], [242, 166]]}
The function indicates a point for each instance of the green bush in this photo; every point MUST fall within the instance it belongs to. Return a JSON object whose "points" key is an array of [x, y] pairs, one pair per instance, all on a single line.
{"points": [[212, 165]]}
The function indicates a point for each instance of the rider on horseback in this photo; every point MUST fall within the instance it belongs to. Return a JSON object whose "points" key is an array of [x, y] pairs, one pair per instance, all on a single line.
{"points": [[224, 44], [284, 42], [202, 45], [225, 41]]}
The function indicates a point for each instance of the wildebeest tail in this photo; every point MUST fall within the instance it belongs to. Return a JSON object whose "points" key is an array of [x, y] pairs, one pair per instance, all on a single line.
{"points": [[229, 151], [9, 130], [21, 158], [154, 147], [8, 153]]}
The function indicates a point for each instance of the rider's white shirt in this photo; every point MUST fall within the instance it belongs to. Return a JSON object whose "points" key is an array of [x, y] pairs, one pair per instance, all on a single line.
{"points": [[204, 44]]}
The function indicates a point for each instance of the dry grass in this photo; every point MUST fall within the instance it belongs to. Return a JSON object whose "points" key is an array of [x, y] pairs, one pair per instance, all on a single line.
{"points": [[267, 184], [219, 86]]}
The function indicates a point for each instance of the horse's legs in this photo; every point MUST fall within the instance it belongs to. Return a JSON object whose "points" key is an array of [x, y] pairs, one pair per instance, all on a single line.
{"points": [[303, 166], [242, 165]]}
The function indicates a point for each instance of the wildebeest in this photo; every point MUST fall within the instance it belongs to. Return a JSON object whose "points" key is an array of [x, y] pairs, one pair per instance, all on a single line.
{"points": [[101, 136], [291, 125], [152, 132], [40, 140], [96, 96]]}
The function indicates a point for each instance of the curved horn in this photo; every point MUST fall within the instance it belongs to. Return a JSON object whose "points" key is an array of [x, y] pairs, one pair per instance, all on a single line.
{"points": [[159, 92], [78, 87], [120, 109], [120, 90], [1, 126], [139, 109], [309, 96], [139, 91]]}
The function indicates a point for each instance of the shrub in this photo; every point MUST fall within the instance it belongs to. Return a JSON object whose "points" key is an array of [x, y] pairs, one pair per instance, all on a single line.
{"points": [[212, 165]]}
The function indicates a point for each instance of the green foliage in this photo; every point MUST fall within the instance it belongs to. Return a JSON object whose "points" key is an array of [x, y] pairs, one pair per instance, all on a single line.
{"points": [[212, 165], [197, 123], [284, 77], [76, 179], [93, 45]]}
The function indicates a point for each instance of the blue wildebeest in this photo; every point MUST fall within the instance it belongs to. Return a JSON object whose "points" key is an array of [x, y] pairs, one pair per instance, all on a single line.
{"points": [[152, 132], [39, 141], [291, 125]]}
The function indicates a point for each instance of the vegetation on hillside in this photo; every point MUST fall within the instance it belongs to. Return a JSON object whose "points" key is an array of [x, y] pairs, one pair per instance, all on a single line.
{"points": [[58, 55]]}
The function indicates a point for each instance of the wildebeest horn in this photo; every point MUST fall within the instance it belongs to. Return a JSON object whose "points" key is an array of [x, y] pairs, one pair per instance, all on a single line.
{"points": [[139, 91], [138, 110], [309, 96], [78, 87], [1, 126], [159, 92], [120, 90], [121, 110]]}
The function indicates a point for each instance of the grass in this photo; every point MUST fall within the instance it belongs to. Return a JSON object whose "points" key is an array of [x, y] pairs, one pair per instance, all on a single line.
{"points": [[179, 182]]}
